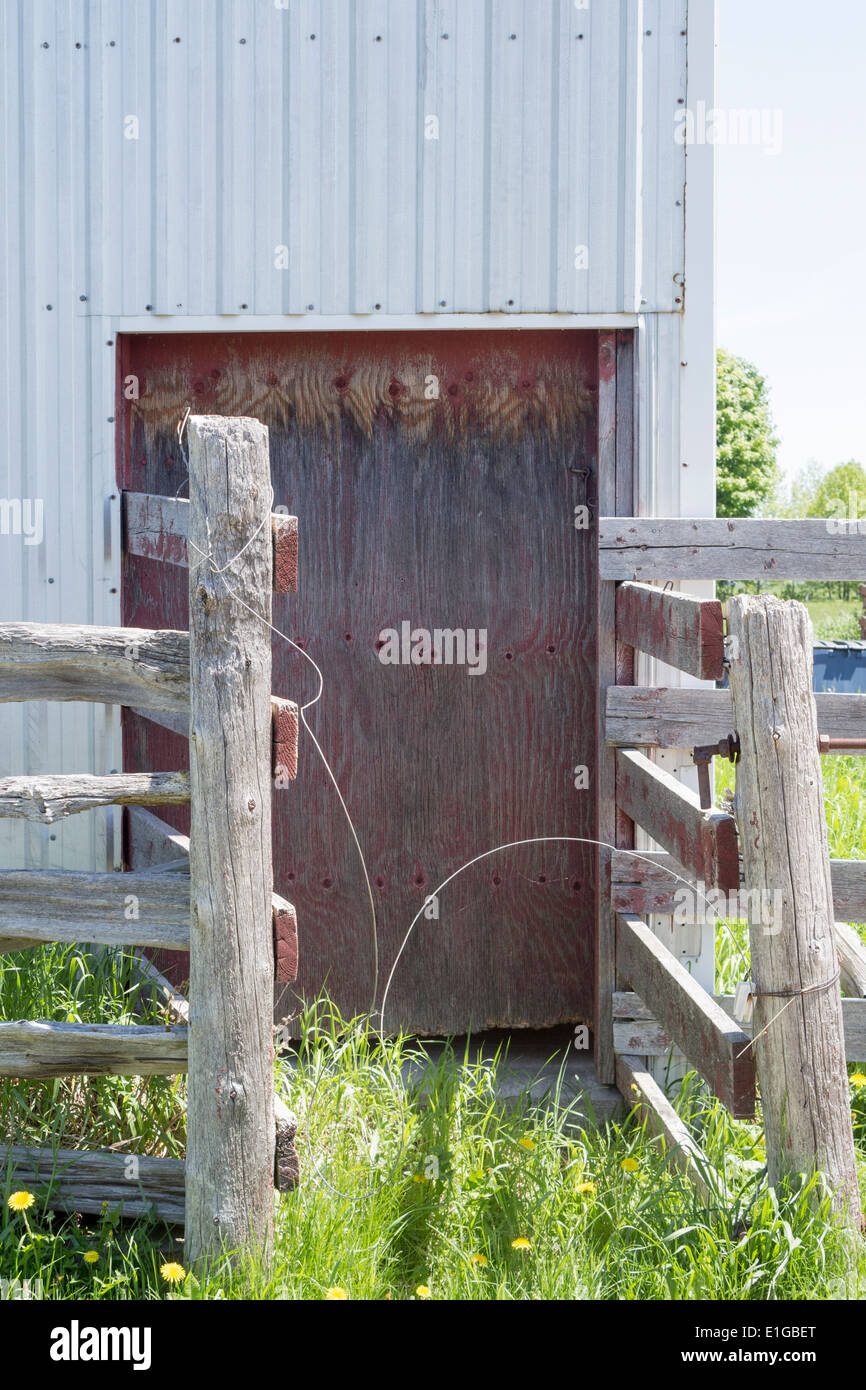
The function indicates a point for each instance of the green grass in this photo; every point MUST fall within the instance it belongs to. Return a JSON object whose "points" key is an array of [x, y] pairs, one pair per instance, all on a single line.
{"points": [[427, 1186], [427, 1190]]}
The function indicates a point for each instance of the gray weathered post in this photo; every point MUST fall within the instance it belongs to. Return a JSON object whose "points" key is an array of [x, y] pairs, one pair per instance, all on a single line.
{"points": [[230, 1147], [780, 811]]}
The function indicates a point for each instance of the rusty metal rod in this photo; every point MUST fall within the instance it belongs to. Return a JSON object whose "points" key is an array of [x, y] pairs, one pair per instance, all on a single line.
{"points": [[840, 745]]}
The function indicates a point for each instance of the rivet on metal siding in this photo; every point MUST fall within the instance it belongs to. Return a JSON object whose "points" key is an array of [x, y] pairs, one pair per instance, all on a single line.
{"points": [[46, 45], [110, 419], [83, 298], [78, 45], [444, 36], [512, 36], [442, 303], [177, 40], [310, 308], [245, 306], [51, 581], [378, 38], [648, 33], [49, 306], [242, 40], [111, 43], [149, 307], [377, 306], [109, 342], [312, 36], [511, 301]]}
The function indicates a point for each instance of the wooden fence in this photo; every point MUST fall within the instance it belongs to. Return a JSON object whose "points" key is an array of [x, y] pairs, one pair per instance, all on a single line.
{"points": [[663, 1007], [213, 684]]}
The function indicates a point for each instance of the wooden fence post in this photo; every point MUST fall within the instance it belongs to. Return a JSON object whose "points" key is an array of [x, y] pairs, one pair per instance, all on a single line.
{"points": [[230, 1145], [800, 1047]]}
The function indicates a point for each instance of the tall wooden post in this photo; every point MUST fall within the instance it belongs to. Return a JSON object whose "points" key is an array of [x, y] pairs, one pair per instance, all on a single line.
{"points": [[800, 1045], [230, 1148]]}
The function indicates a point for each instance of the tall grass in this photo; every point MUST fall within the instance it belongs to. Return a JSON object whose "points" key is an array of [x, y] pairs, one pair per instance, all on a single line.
{"points": [[416, 1181], [420, 1190]]}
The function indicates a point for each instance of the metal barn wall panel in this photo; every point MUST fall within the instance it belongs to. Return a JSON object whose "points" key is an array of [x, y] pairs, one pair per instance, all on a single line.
{"points": [[411, 157], [169, 161]]}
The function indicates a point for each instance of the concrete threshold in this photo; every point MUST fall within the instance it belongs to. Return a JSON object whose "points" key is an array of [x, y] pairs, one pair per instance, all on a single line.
{"points": [[530, 1065]]}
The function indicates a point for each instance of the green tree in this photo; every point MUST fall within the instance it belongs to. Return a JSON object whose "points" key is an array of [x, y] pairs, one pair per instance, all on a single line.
{"points": [[746, 469], [841, 493]]}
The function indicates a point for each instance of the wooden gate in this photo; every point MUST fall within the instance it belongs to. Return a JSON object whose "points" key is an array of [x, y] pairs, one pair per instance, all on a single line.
{"points": [[437, 477]]}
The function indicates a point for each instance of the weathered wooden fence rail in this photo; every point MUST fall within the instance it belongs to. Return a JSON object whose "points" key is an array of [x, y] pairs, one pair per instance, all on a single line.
{"points": [[703, 860], [215, 899]]}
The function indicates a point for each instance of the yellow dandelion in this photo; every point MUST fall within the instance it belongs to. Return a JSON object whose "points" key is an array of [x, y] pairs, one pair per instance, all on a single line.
{"points": [[528, 1144], [20, 1201], [90, 1257], [521, 1243], [172, 1272], [335, 1294], [635, 1089], [629, 1165], [418, 1177], [857, 1078], [480, 1260], [585, 1187], [422, 1291]]}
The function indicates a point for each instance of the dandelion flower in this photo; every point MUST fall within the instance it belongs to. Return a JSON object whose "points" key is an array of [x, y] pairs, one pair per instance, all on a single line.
{"points": [[480, 1260], [422, 1291], [20, 1201], [418, 1177], [629, 1165], [335, 1294], [90, 1257], [172, 1272], [857, 1078], [528, 1144], [585, 1187], [521, 1243]]}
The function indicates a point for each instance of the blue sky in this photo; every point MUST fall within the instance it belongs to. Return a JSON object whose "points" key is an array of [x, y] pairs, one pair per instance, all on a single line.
{"points": [[792, 226]]}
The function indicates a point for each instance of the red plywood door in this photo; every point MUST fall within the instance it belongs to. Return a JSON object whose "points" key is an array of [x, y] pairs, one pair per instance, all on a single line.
{"points": [[435, 477]]}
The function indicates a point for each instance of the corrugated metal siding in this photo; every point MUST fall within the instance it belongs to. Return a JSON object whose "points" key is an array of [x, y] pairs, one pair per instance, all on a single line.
{"points": [[260, 127], [253, 134]]}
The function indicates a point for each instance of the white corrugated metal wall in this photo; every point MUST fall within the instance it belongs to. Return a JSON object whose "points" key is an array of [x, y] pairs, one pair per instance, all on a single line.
{"points": [[415, 157]]}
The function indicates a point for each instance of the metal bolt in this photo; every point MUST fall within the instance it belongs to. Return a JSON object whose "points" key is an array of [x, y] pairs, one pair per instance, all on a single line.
{"points": [[83, 298]]}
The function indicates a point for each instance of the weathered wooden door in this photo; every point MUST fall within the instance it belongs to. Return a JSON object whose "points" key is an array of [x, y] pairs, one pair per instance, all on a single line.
{"points": [[435, 477]]}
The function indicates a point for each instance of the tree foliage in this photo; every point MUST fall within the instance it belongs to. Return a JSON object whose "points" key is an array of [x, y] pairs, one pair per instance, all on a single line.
{"points": [[746, 470]]}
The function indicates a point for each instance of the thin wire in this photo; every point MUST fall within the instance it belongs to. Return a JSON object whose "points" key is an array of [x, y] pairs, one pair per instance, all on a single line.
{"points": [[513, 844]]}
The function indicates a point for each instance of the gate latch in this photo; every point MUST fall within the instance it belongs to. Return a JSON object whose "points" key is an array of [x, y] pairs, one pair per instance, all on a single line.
{"points": [[703, 755]]}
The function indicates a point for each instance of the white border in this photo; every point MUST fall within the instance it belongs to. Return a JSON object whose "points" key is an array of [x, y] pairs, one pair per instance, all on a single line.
{"points": [[343, 323]]}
